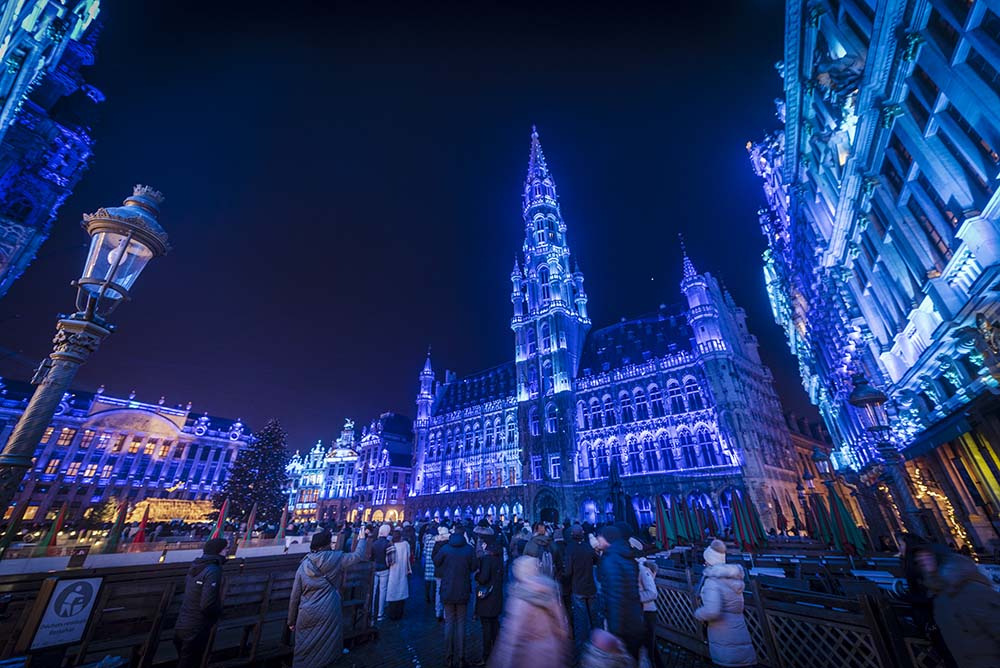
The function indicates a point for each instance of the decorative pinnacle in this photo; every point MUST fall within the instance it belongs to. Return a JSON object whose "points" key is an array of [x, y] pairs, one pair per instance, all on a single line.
{"points": [[148, 192], [689, 271], [536, 160]]}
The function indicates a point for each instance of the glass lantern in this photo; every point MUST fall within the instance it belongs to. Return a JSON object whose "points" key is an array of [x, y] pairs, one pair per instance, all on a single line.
{"points": [[822, 461], [870, 403], [123, 240]]}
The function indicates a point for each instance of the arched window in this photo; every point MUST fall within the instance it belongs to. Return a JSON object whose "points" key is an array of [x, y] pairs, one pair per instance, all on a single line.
{"points": [[467, 444], [634, 457], [543, 283], [546, 337], [497, 431], [628, 413], [676, 398], [532, 378], [641, 408], [511, 431], [581, 415], [609, 412], [530, 340], [689, 456], [706, 447], [449, 443], [666, 452], [601, 454], [533, 425], [488, 436], [655, 401], [694, 398], [548, 385], [551, 419], [649, 454], [596, 419]]}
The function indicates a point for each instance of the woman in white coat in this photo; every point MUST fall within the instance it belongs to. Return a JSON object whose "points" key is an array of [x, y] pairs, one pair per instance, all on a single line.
{"points": [[398, 588], [729, 640]]}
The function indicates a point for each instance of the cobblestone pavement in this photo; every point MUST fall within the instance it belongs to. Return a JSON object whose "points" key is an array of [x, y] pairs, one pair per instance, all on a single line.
{"points": [[417, 641]]}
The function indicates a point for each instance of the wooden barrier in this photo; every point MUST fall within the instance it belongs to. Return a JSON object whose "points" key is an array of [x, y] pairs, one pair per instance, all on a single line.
{"points": [[793, 626], [137, 607]]}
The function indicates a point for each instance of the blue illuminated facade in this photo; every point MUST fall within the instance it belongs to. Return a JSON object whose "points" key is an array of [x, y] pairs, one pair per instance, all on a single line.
{"points": [[678, 400], [883, 230], [46, 115]]}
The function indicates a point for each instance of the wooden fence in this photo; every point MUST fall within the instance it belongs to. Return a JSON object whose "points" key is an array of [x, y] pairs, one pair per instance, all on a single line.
{"points": [[794, 627], [136, 608]]}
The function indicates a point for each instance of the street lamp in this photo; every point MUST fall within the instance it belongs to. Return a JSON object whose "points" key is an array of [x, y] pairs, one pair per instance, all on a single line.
{"points": [[123, 240], [870, 403], [822, 461]]}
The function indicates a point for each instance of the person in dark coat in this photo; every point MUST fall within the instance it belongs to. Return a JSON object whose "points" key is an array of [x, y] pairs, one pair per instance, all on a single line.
{"points": [[489, 593], [201, 605], [580, 561], [456, 562], [619, 576], [966, 607], [315, 609]]}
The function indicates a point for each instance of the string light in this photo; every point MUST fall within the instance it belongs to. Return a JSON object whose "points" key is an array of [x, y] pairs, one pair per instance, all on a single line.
{"points": [[955, 527]]}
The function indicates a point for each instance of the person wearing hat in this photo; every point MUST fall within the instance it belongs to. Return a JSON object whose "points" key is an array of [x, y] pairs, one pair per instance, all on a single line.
{"points": [[721, 608], [201, 606], [443, 534], [618, 573], [647, 596], [315, 609]]}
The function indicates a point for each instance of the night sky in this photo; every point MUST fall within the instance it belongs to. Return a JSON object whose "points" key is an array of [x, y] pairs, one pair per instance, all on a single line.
{"points": [[343, 188]]}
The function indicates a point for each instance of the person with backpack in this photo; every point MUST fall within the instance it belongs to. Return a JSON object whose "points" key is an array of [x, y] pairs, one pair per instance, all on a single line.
{"points": [[201, 605], [457, 562], [618, 573], [540, 547], [580, 561], [489, 593]]}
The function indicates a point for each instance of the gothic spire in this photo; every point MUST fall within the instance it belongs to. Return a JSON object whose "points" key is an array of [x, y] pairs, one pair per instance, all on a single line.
{"points": [[536, 160], [689, 271], [427, 364]]}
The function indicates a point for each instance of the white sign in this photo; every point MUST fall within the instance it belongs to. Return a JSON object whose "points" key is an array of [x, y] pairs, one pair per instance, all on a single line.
{"points": [[67, 612]]}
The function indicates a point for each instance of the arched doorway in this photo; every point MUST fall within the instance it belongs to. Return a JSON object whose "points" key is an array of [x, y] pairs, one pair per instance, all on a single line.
{"points": [[378, 516], [588, 512], [390, 516], [547, 506]]}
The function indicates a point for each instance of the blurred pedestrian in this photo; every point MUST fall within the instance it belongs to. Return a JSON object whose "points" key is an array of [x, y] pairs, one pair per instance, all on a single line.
{"points": [[201, 605], [314, 611], [618, 573], [647, 596], [605, 651], [457, 562], [489, 593], [535, 631], [966, 607], [721, 608]]}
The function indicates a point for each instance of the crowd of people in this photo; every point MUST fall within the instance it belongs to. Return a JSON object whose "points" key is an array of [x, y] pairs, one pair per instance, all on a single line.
{"points": [[560, 595]]}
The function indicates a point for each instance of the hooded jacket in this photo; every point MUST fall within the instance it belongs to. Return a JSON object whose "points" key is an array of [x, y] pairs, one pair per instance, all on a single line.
{"points": [[729, 640], [456, 562], [966, 610], [580, 561], [315, 606], [619, 575], [201, 605], [535, 631]]}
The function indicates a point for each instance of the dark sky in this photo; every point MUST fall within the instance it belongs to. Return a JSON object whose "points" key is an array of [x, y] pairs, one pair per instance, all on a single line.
{"points": [[343, 188]]}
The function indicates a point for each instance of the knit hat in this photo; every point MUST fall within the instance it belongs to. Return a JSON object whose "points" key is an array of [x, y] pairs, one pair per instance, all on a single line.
{"points": [[215, 546], [383, 531], [715, 553], [320, 540]]}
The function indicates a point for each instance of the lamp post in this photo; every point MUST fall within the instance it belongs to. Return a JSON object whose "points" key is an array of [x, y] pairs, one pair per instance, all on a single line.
{"points": [[123, 240], [870, 403]]}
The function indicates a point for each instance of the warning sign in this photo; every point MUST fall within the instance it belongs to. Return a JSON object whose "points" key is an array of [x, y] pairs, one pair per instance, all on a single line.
{"points": [[67, 612]]}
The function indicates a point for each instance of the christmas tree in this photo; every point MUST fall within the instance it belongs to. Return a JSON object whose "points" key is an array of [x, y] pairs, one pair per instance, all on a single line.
{"points": [[258, 476]]}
